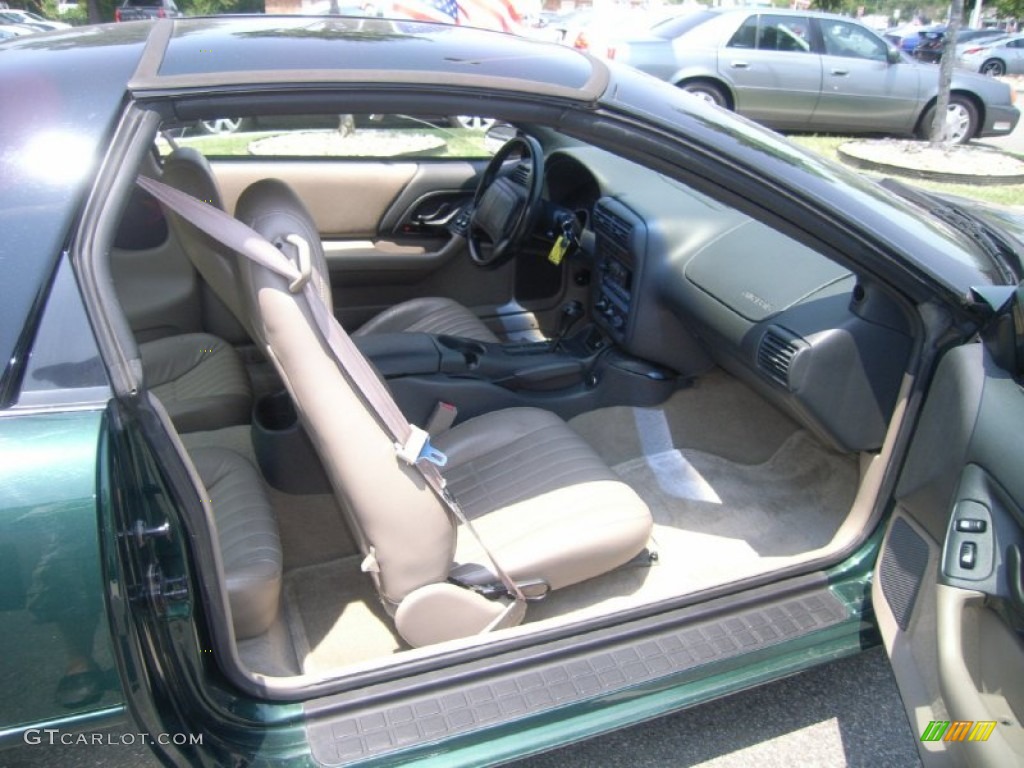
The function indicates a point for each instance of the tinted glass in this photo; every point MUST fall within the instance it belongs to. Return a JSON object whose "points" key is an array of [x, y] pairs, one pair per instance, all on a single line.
{"points": [[784, 33], [852, 41]]}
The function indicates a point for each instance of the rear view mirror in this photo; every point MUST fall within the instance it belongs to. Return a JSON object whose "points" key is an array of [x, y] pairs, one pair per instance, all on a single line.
{"points": [[893, 56]]}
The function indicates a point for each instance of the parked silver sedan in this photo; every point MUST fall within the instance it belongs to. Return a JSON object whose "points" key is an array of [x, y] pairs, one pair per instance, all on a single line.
{"points": [[1004, 56], [798, 70]]}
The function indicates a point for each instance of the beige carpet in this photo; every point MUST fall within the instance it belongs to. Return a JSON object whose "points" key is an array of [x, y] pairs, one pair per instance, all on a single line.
{"points": [[335, 617]]}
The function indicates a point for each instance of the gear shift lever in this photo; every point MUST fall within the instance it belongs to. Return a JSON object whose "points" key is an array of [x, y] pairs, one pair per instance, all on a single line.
{"points": [[571, 312]]}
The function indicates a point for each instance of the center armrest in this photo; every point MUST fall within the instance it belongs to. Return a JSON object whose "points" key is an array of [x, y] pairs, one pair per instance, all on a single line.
{"points": [[401, 354]]}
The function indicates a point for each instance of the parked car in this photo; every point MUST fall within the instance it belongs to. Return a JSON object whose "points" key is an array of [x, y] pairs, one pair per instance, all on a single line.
{"points": [[803, 71], [138, 10], [1003, 56], [792, 395], [931, 44], [907, 38], [16, 16], [8, 31]]}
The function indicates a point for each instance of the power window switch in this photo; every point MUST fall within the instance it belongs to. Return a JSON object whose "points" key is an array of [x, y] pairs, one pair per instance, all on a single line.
{"points": [[971, 525], [968, 555]]}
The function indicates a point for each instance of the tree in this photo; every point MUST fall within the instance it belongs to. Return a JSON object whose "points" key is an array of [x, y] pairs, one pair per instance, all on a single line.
{"points": [[1013, 9], [939, 124]]}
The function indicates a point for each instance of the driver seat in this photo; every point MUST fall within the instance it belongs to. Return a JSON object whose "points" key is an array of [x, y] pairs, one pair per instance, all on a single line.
{"points": [[187, 170]]}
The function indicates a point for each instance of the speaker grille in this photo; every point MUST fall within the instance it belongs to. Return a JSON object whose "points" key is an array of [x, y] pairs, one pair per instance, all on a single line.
{"points": [[903, 567]]}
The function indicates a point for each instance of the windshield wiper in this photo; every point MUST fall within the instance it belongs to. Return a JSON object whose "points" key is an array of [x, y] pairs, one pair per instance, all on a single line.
{"points": [[991, 241]]}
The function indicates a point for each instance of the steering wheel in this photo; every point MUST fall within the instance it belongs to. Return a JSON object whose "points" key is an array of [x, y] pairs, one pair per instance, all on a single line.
{"points": [[505, 206]]}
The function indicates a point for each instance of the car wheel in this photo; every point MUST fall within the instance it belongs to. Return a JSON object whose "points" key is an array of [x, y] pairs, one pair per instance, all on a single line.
{"points": [[472, 122], [223, 125], [707, 92], [993, 68], [961, 119]]}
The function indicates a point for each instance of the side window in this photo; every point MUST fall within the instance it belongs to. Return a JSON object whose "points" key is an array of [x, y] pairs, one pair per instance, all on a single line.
{"points": [[746, 35], [338, 136], [784, 33], [852, 41]]}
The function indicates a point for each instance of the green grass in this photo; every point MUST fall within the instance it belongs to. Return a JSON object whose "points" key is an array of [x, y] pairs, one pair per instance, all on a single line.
{"points": [[457, 142], [1010, 194]]}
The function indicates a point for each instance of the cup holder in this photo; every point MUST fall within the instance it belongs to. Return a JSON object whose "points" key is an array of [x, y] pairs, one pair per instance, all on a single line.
{"points": [[471, 351], [283, 449]]}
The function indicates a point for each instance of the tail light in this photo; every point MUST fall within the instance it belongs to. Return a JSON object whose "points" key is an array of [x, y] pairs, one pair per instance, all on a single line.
{"points": [[117, 14], [161, 13], [976, 49], [581, 43]]}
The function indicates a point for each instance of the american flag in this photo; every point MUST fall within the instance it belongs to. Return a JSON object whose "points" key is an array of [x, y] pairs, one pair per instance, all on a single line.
{"points": [[490, 14], [443, 11]]}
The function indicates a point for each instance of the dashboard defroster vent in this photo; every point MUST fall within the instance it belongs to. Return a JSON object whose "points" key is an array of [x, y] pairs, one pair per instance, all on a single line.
{"points": [[775, 354]]}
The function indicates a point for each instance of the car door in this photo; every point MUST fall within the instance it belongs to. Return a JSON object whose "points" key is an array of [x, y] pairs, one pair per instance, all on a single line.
{"points": [[382, 190], [1015, 56], [861, 89], [947, 591], [772, 70]]}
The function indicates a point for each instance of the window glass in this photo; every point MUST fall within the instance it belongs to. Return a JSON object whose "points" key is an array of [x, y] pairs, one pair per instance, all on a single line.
{"points": [[338, 136], [746, 35], [784, 33], [851, 40]]}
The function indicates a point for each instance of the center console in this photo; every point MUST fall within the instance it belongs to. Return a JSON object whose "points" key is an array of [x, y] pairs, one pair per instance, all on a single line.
{"points": [[422, 370], [619, 235]]}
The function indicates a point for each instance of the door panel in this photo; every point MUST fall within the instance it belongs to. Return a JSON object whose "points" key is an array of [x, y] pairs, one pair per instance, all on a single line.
{"points": [[947, 589], [776, 76], [860, 88], [382, 224]]}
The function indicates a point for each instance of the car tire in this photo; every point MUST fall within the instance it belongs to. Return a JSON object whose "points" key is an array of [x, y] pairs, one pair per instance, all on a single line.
{"points": [[993, 68], [962, 113], [224, 125], [472, 122], [708, 92]]}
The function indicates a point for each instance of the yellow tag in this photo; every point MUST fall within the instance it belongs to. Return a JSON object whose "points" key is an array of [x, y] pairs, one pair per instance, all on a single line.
{"points": [[558, 250]]}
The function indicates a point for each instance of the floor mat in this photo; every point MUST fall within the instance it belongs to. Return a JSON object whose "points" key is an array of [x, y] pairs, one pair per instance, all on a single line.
{"points": [[717, 520], [335, 616]]}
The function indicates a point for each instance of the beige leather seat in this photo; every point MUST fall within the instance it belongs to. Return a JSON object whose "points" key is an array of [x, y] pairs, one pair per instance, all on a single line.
{"points": [[186, 169], [199, 378], [546, 504], [247, 537]]}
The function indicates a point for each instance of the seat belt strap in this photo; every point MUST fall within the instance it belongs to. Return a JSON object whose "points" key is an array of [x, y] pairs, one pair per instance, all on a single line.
{"points": [[412, 444]]}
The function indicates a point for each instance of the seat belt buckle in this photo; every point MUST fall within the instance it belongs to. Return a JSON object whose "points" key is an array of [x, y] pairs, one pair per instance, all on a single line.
{"points": [[418, 448], [442, 418]]}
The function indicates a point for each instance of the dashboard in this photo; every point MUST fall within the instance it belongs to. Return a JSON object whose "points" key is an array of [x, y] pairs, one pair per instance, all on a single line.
{"points": [[686, 282]]}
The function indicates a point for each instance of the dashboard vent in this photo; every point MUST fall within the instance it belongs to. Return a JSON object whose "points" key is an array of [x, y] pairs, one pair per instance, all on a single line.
{"points": [[775, 354], [610, 225], [521, 175]]}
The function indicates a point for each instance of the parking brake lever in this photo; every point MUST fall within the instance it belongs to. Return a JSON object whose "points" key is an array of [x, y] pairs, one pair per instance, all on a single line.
{"points": [[571, 312]]}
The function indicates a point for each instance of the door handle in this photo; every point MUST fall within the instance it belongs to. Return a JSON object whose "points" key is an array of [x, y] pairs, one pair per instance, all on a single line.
{"points": [[739, 64], [840, 72]]}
